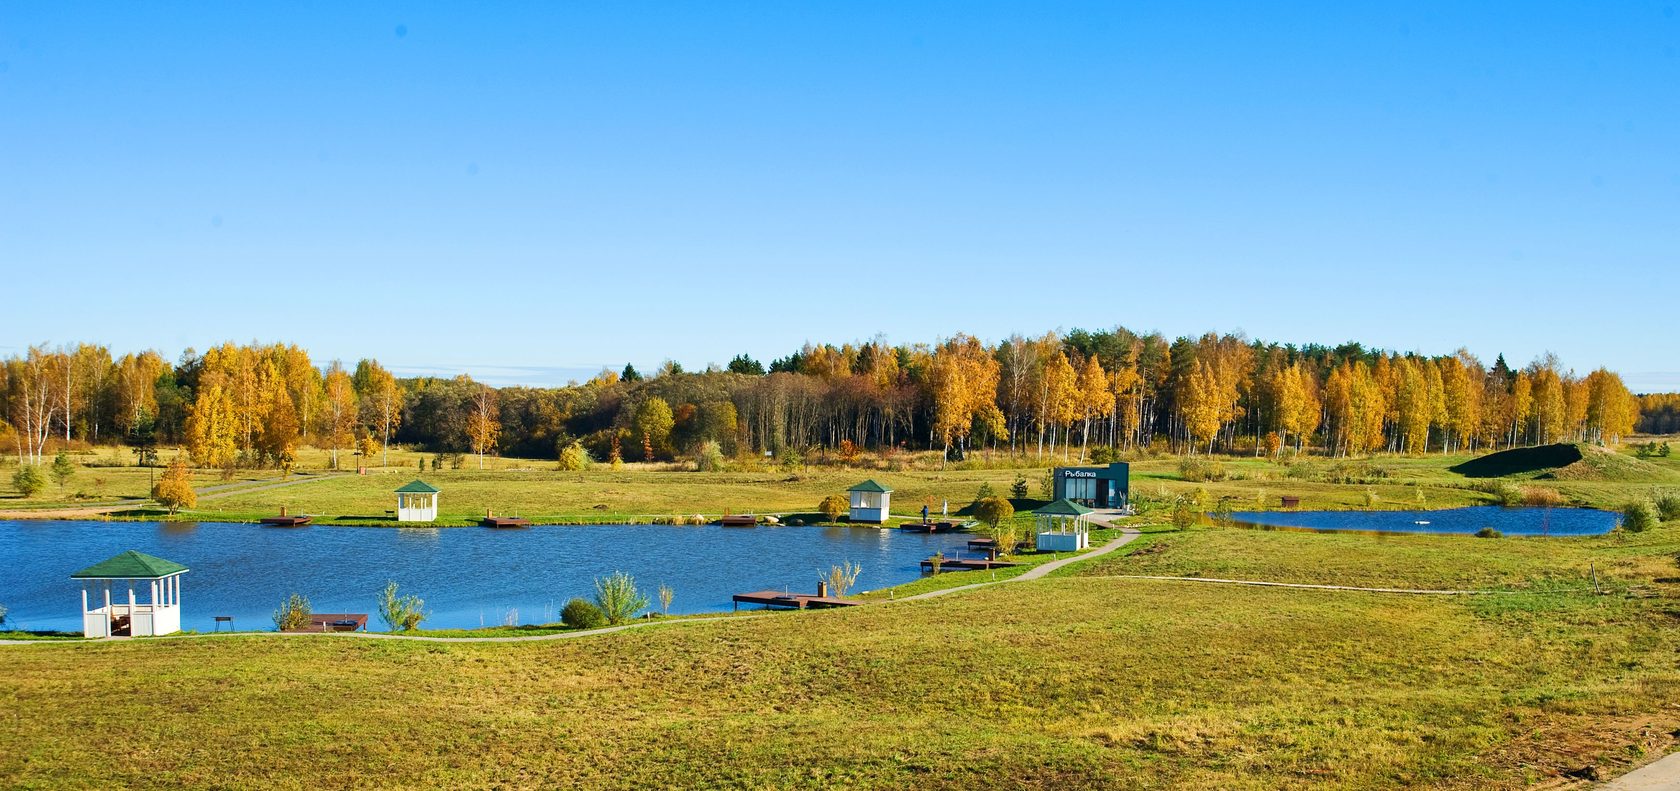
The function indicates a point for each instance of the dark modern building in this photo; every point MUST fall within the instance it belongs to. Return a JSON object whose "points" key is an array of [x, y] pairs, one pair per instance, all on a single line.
{"points": [[1096, 487]]}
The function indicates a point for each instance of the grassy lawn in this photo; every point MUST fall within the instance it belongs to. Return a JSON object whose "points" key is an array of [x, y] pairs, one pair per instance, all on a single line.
{"points": [[535, 489], [1068, 682], [1406, 561]]}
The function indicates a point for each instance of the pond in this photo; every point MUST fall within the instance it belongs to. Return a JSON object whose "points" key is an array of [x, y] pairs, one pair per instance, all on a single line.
{"points": [[1454, 521], [469, 577]]}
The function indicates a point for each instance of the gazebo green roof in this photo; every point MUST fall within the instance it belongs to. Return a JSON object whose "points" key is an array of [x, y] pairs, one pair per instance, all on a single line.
{"points": [[1062, 507], [418, 486], [130, 565], [869, 486]]}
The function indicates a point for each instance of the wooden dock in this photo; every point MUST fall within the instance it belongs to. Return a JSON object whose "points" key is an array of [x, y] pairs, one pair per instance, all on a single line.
{"points": [[504, 521], [337, 622], [799, 601], [285, 521], [966, 564], [738, 520], [986, 545], [942, 526]]}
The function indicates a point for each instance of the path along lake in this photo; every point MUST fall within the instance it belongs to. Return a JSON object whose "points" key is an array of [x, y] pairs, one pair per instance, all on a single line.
{"points": [[1451, 521], [469, 576]]}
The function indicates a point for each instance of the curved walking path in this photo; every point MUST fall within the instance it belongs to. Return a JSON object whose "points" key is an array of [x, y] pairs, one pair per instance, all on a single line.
{"points": [[1662, 774], [1127, 536]]}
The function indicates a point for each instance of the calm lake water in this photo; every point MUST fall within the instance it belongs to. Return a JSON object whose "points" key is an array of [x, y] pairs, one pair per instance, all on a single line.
{"points": [[1457, 521], [468, 576]]}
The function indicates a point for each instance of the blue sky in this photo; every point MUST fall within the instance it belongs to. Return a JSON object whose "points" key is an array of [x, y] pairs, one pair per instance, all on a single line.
{"points": [[528, 192]]}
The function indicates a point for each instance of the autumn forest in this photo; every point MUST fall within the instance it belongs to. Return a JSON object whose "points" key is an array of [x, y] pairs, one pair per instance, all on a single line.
{"points": [[1082, 394]]}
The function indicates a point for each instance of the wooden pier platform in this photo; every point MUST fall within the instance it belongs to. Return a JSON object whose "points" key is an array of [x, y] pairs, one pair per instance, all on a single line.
{"points": [[504, 521], [941, 526], [986, 545], [337, 622], [738, 520], [800, 601], [967, 564], [285, 521]]}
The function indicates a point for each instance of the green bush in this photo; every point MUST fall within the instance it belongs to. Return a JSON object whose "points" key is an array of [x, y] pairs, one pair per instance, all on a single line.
{"points": [[618, 598], [1488, 532], [709, 458], [293, 614], [1200, 470], [833, 507], [401, 612], [582, 614], [1637, 517], [29, 480], [1668, 506], [63, 469], [574, 458], [1018, 489]]}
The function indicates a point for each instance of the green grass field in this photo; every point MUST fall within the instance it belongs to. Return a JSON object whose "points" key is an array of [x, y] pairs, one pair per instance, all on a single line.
{"points": [[535, 489], [1066, 682]]}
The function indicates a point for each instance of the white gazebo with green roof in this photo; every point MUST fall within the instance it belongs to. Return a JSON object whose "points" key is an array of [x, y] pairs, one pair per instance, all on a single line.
{"points": [[417, 502], [159, 614], [870, 502], [1063, 526]]}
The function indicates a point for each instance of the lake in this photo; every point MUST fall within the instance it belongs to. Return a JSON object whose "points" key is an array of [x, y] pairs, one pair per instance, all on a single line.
{"points": [[468, 576], [1454, 521]]}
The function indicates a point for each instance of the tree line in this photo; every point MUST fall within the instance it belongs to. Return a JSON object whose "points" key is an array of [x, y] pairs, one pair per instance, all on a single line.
{"points": [[1057, 394]]}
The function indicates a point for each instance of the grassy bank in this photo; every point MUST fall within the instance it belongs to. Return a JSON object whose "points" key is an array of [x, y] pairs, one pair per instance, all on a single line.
{"points": [[1076, 682]]}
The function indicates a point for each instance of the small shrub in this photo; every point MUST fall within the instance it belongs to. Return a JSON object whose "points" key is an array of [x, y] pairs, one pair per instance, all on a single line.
{"points": [[1668, 506], [574, 457], [984, 492], [400, 612], [1104, 454], [841, 578], [1200, 470], [1371, 498], [665, 596], [1047, 485], [1184, 514], [174, 490], [63, 469], [833, 507], [29, 480], [1488, 532], [293, 614], [1018, 489], [710, 457], [1541, 497], [1637, 517], [618, 598], [582, 614], [936, 561]]}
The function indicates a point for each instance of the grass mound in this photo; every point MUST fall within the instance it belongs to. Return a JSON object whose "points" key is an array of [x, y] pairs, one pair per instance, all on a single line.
{"points": [[1521, 461], [1564, 462]]}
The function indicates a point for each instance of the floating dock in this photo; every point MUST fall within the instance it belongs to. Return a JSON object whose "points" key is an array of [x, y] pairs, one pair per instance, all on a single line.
{"points": [[738, 520], [504, 521], [798, 601], [942, 526], [337, 622], [285, 521]]}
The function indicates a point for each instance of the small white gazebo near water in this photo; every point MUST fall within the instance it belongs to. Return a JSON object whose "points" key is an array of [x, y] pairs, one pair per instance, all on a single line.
{"points": [[1062, 526], [161, 612], [417, 501]]}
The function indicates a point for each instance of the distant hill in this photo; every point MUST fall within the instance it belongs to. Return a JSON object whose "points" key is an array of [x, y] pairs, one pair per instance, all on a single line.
{"points": [[1563, 461]]}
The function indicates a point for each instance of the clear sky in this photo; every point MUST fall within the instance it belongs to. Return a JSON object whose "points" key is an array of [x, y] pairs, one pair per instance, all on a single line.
{"points": [[530, 191]]}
